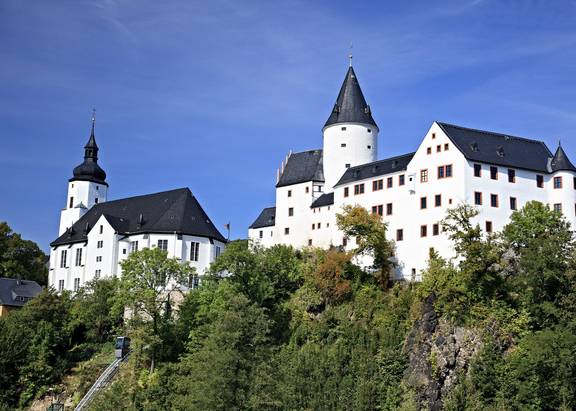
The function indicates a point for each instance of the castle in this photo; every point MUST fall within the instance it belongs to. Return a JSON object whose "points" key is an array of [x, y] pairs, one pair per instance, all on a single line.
{"points": [[496, 173], [96, 235]]}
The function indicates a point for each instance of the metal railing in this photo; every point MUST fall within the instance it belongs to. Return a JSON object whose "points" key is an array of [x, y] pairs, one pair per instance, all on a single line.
{"points": [[101, 382]]}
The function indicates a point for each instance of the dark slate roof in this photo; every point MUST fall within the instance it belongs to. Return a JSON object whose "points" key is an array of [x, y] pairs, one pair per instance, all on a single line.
{"points": [[376, 168], [16, 293], [350, 107], [499, 149], [324, 200], [267, 218], [175, 211], [302, 167], [89, 170], [560, 161]]}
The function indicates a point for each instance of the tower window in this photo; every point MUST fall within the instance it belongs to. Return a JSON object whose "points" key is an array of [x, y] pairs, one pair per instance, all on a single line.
{"points": [[291, 212], [100, 244], [287, 230], [101, 229], [557, 182], [343, 128], [98, 188], [369, 147], [347, 165], [289, 193], [71, 202], [399, 234], [343, 145], [369, 130], [96, 200]]}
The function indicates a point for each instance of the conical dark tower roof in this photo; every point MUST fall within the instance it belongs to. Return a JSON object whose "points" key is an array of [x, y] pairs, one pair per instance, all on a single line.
{"points": [[351, 107], [560, 161], [89, 170]]}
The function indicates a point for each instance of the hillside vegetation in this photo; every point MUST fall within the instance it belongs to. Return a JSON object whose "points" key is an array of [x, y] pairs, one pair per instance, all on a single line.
{"points": [[290, 330]]}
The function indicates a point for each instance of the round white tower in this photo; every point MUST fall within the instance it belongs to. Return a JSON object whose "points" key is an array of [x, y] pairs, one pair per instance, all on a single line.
{"points": [[87, 188], [350, 134]]}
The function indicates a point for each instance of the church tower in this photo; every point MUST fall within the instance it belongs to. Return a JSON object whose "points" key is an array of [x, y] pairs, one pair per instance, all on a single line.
{"points": [[350, 134], [87, 187]]}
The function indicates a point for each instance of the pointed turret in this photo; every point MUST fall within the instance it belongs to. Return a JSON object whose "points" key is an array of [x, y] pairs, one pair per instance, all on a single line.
{"points": [[560, 161], [351, 107], [89, 170]]}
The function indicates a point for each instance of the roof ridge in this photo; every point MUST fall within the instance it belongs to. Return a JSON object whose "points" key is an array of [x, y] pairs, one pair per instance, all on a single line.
{"points": [[141, 195], [530, 140], [382, 160]]}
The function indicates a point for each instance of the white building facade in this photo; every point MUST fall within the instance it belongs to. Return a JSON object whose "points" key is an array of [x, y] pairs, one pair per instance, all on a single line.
{"points": [[453, 165], [96, 235]]}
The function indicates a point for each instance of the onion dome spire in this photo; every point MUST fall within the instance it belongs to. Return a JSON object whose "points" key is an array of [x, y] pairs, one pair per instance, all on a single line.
{"points": [[350, 107], [560, 161], [89, 170]]}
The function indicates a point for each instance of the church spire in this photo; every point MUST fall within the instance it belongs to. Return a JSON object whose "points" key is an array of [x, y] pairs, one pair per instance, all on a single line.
{"points": [[89, 170], [350, 107]]}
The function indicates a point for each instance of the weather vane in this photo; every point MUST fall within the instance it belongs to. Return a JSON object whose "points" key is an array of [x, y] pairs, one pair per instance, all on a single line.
{"points": [[93, 115], [350, 55]]}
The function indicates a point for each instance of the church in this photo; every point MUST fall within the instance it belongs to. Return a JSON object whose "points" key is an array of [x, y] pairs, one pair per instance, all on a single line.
{"points": [[96, 235], [496, 173]]}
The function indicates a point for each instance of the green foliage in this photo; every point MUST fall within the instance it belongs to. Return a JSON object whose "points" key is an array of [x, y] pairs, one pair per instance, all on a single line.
{"points": [[21, 258]]}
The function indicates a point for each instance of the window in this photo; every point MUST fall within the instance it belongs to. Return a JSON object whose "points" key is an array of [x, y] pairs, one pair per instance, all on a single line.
{"points": [[346, 191], [63, 257], [319, 226], [261, 234], [98, 258], [477, 170], [96, 200], [557, 182], [435, 229], [163, 245], [448, 169], [100, 244], [539, 181], [488, 226], [429, 150], [344, 241], [287, 230], [494, 173], [71, 202], [433, 136], [423, 203], [217, 251], [377, 185], [399, 235], [76, 284], [494, 200], [97, 274], [347, 165], [78, 257], [343, 128], [511, 175], [401, 180], [389, 209], [194, 251], [61, 285], [438, 200], [123, 251], [97, 188], [314, 226], [193, 281], [445, 171], [369, 147], [309, 242], [440, 172], [446, 146], [558, 207], [424, 176], [289, 193], [307, 190], [369, 130], [101, 228], [359, 189], [574, 183], [513, 204], [389, 182], [133, 246], [343, 145], [438, 148], [477, 198], [291, 212], [423, 231], [378, 209]]}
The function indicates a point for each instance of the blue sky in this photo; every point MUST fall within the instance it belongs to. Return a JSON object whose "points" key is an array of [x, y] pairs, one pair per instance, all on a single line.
{"points": [[213, 94]]}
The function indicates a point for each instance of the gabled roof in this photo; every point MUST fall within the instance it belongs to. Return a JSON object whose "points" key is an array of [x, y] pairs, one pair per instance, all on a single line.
{"points": [[16, 293], [267, 218], [560, 161], [350, 107], [376, 168], [324, 200], [174, 211], [498, 149], [302, 167]]}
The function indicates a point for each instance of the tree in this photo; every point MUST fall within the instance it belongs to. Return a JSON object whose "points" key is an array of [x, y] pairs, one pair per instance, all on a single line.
{"points": [[370, 233], [21, 258], [148, 281]]}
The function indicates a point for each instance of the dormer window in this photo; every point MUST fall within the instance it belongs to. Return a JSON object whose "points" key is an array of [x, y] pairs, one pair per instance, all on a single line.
{"points": [[474, 147]]}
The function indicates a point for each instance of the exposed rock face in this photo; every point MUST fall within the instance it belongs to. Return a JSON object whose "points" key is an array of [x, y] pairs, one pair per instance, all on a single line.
{"points": [[439, 352]]}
